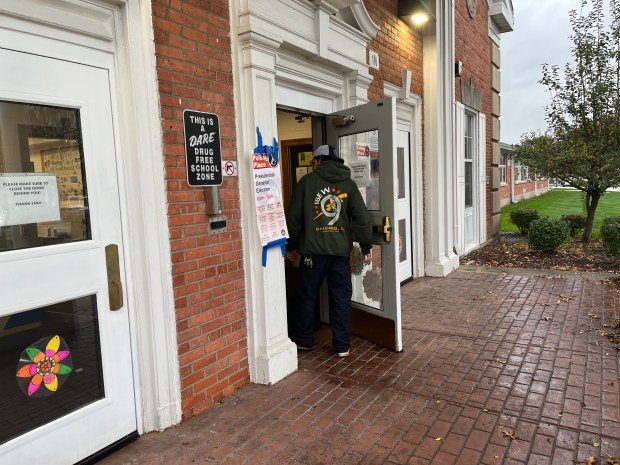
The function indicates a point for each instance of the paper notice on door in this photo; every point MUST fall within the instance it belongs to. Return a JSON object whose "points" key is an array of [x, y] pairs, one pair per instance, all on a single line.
{"points": [[360, 172], [300, 172], [374, 141], [28, 198]]}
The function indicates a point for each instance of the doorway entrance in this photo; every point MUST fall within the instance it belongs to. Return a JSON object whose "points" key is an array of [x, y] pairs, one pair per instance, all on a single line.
{"points": [[65, 364], [364, 137]]}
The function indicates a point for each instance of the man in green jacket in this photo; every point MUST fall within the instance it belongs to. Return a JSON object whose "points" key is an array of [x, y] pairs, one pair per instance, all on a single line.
{"points": [[327, 213]]}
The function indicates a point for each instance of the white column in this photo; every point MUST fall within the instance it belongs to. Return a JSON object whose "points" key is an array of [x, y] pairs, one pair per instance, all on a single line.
{"points": [[439, 142], [272, 355]]}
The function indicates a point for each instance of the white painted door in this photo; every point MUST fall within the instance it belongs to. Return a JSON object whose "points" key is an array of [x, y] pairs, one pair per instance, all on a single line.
{"points": [[366, 139], [403, 158], [65, 358]]}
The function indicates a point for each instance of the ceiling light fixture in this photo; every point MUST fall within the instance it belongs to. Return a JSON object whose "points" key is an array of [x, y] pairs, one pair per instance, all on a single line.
{"points": [[416, 12]]}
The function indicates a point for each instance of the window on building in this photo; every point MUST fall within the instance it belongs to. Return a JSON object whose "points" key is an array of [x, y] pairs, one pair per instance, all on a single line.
{"points": [[503, 162], [521, 172], [469, 165]]}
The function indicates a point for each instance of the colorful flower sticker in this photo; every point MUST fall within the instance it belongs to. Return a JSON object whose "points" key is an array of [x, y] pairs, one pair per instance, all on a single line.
{"points": [[40, 365]]}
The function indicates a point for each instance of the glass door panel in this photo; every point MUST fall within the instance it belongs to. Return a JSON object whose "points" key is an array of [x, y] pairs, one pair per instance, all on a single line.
{"points": [[50, 364], [360, 153], [42, 184], [367, 279]]}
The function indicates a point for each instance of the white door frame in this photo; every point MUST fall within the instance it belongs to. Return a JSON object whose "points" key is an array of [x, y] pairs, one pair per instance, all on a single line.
{"points": [[409, 115], [112, 26], [269, 71]]}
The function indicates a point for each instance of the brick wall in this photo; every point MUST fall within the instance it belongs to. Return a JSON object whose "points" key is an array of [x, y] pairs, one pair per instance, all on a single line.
{"points": [[473, 48], [192, 46], [399, 47]]}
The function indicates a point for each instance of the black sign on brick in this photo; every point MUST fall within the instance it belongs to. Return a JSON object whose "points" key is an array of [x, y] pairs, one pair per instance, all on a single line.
{"points": [[203, 149]]}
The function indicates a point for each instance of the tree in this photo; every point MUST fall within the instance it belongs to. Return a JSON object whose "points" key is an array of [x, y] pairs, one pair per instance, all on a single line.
{"points": [[581, 146]]}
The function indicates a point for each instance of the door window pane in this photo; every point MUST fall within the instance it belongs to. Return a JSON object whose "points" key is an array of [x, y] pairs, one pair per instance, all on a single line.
{"points": [[367, 279], [400, 160], [469, 194], [360, 152], [43, 196], [50, 364], [402, 243]]}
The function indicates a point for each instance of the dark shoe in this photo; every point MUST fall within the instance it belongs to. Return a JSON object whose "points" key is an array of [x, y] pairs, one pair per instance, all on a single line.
{"points": [[344, 354]]}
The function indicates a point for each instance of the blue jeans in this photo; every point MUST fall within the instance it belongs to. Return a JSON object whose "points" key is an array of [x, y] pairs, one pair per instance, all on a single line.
{"points": [[337, 270]]}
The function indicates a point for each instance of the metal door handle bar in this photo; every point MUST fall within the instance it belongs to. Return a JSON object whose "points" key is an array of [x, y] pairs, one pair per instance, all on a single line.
{"points": [[115, 286]]}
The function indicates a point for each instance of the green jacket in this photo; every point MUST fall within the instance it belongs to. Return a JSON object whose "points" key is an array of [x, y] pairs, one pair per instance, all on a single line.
{"points": [[327, 213]]}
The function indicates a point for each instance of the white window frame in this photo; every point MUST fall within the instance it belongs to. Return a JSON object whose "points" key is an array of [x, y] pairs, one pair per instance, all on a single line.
{"points": [[469, 152], [503, 162], [521, 172]]}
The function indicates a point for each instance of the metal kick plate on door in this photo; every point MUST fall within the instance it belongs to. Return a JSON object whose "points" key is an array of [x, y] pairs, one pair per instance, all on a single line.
{"points": [[115, 287]]}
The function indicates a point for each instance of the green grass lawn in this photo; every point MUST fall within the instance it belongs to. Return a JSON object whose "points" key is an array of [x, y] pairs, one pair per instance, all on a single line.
{"points": [[558, 202]]}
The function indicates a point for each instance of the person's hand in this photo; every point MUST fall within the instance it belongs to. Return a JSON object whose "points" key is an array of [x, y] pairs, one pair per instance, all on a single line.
{"points": [[292, 256], [367, 259]]}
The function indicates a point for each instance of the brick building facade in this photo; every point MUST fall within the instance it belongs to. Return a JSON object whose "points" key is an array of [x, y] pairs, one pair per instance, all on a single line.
{"points": [[186, 312], [517, 182]]}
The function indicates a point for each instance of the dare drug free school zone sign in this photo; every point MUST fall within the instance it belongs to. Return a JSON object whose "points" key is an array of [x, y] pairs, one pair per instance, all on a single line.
{"points": [[203, 150]]}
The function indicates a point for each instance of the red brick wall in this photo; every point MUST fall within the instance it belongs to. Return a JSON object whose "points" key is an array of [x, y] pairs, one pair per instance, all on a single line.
{"points": [[192, 46], [399, 47], [473, 48]]}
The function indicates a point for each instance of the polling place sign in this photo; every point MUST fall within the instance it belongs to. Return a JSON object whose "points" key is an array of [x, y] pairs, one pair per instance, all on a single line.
{"points": [[28, 198], [203, 149]]}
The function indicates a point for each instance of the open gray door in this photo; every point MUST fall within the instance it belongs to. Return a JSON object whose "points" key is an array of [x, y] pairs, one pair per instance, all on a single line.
{"points": [[365, 138]]}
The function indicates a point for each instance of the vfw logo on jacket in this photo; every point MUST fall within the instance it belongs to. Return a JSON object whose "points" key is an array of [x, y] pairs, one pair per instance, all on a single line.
{"points": [[328, 202]]}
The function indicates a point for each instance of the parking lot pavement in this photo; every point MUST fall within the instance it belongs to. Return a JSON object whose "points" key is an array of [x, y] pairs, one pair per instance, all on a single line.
{"points": [[497, 368]]}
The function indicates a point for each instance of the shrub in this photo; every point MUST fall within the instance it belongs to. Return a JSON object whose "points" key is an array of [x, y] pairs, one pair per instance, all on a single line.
{"points": [[575, 222], [523, 217], [548, 234], [610, 233]]}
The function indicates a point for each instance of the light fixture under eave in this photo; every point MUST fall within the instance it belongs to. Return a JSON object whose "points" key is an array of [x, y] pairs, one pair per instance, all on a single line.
{"points": [[416, 12]]}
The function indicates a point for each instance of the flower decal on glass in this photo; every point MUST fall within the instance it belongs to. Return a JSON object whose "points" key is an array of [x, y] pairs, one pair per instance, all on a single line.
{"points": [[46, 363]]}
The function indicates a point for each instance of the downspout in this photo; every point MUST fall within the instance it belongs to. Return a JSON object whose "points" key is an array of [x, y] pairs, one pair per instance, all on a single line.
{"points": [[512, 180]]}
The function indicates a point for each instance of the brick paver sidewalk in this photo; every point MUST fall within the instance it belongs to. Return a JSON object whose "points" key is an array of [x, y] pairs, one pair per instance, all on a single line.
{"points": [[497, 369]]}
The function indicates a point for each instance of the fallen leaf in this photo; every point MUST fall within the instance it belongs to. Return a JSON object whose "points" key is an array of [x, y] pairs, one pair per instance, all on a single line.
{"points": [[611, 460], [509, 434], [591, 461], [438, 439], [565, 298]]}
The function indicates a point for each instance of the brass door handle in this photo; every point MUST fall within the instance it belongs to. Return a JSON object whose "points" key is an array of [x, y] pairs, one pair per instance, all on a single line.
{"points": [[115, 286], [385, 228]]}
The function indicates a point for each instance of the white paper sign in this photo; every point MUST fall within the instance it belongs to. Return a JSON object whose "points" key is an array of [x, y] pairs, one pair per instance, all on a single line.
{"points": [[360, 173], [268, 200], [374, 140], [28, 198]]}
